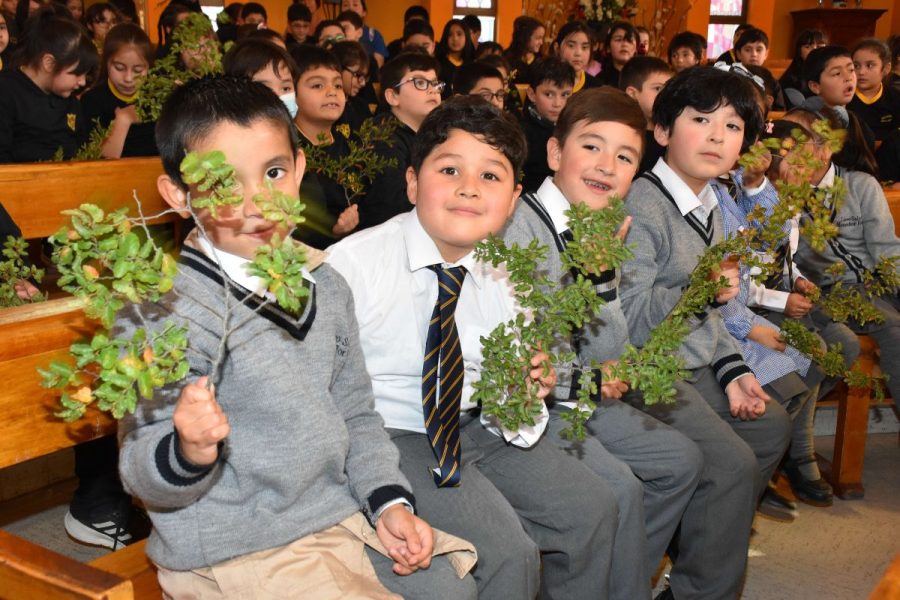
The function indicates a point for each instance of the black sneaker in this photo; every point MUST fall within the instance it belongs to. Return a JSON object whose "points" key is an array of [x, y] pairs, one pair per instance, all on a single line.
{"points": [[113, 529], [776, 507]]}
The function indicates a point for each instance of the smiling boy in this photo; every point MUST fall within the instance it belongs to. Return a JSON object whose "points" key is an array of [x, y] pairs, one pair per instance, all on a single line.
{"points": [[424, 302], [257, 470]]}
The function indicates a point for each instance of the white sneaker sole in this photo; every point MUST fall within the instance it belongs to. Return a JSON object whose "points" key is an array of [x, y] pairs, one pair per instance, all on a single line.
{"points": [[80, 532]]}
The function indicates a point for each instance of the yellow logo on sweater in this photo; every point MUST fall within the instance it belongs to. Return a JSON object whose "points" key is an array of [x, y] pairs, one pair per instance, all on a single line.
{"points": [[343, 129], [70, 120]]}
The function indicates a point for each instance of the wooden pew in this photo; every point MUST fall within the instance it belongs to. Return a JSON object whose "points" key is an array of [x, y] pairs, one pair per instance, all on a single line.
{"points": [[846, 468], [36, 334]]}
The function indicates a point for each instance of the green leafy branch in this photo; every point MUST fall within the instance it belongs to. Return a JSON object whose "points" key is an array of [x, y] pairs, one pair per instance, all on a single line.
{"points": [[15, 268], [550, 315], [112, 261], [362, 163], [93, 148]]}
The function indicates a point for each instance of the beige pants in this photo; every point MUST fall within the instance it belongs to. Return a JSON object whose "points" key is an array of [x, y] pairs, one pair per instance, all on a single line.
{"points": [[330, 564]]}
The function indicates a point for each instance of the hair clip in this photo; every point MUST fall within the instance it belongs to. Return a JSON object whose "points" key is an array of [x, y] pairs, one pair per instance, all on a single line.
{"points": [[740, 69]]}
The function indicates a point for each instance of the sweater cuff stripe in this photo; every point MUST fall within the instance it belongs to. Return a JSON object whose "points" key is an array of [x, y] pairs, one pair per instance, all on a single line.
{"points": [[169, 462], [733, 374], [385, 494], [723, 362]]}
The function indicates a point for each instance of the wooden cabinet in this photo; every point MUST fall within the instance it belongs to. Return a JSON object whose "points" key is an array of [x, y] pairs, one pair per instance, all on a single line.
{"points": [[843, 26]]}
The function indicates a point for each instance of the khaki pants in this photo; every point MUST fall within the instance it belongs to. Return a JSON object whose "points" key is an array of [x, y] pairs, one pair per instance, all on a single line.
{"points": [[330, 564]]}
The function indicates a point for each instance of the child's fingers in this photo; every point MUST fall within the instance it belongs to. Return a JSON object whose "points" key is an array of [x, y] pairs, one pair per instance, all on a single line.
{"points": [[623, 230]]}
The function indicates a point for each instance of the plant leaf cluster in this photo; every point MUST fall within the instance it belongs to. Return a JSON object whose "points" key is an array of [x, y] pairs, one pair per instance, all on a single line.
{"points": [[364, 161], [13, 268]]}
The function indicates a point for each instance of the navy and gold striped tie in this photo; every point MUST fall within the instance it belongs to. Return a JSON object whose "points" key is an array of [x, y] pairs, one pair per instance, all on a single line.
{"points": [[444, 364]]}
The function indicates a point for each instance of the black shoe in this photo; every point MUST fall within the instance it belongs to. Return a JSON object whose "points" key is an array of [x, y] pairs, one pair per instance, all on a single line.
{"points": [[776, 507], [666, 594], [113, 529], [815, 492]]}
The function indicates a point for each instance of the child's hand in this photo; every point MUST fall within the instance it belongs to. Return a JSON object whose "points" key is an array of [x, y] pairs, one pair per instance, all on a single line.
{"points": [[805, 286], [548, 381], [609, 387], [127, 115], [408, 539], [767, 336], [25, 290], [797, 306], [730, 270], [347, 222], [200, 422], [620, 235], [755, 174], [746, 398]]}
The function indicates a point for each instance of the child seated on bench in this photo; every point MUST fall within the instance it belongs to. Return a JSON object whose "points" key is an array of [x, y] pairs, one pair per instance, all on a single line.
{"points": [[265, 476]]}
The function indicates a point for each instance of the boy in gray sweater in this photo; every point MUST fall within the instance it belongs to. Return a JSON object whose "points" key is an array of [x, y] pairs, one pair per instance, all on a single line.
{"points": [[703, 117], [257, 472]]}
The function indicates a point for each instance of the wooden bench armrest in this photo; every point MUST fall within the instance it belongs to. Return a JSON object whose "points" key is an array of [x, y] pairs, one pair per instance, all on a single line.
{"points": [[29, 571]]}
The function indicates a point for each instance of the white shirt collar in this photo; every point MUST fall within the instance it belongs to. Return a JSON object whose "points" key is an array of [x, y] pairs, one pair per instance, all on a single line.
{"points": [[555, 204], [421, 251], [684, 196], [236, 267], [828, 178]]}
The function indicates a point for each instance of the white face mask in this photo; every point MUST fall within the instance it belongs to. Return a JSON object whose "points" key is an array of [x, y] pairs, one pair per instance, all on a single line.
{"points": [[290, 101]]}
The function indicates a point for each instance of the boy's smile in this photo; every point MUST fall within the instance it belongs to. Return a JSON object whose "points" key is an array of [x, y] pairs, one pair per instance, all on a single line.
{"points": [[465, 190], [701, 146], [597, 161]]}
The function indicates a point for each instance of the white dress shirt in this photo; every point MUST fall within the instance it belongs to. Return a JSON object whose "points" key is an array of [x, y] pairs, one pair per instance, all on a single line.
{"points": [[394, 293], [685, 198]]}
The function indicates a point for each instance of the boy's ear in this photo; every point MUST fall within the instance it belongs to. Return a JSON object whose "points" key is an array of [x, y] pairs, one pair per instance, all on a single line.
{"points": [[554, 154], [412, 185], [391, 97], [661, 135], [814, 87], [529, 91], [48, 63], [515, 199], [632, 92], [173, 195], [299, 166]]}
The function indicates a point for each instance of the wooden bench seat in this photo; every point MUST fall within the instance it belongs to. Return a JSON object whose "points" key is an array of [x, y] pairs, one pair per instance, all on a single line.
{"points": [[36, 334]]}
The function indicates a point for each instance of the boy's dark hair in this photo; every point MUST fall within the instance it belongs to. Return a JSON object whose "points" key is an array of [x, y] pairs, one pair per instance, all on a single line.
{"points": [[321, 27], [307, 58], [596, 105], [742, 27], [807, 37], [250, 56], [637, 70], [469, 75], [94, 12], [63, 39], [350, 17], [472, 22], [350, 53], [442, 48], [299, 12], [417, 27], [705, 89], [631, 33], [126, 8], [752, 36], [770, 84], [552, 69], [266, 35], [817, 60], [396, 68], [687, 39], [478, 117], [875, 45], [486, 49], [168, 20], [415, 11], [574, 27], [193, 110], [254, 8], [498, 61]]}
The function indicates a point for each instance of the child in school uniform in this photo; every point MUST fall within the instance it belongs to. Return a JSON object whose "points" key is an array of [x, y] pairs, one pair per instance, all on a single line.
{"points": [[876, 104], [453, 50], [422, 300], [127, 55], [703, 116], [356, 70], [552, 81], [410, 90], [621, 46], [686, 50], [652, 468], [269, 475], [320, 103], [39, 113], [573, 46], [642, 78], [4, 41], [483, 80]]}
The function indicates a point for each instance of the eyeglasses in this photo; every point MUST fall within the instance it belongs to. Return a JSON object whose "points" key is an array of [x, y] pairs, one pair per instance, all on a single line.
{"points": [[422, 84], [358, 75], [493, 96]]}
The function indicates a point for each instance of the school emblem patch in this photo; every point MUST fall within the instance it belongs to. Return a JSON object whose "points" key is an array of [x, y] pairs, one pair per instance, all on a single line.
{"points": [[343, 129], [70, 120]]}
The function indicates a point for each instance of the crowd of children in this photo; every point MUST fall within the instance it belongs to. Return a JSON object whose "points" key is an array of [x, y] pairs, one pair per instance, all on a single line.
{"points": [[340, 450]]}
